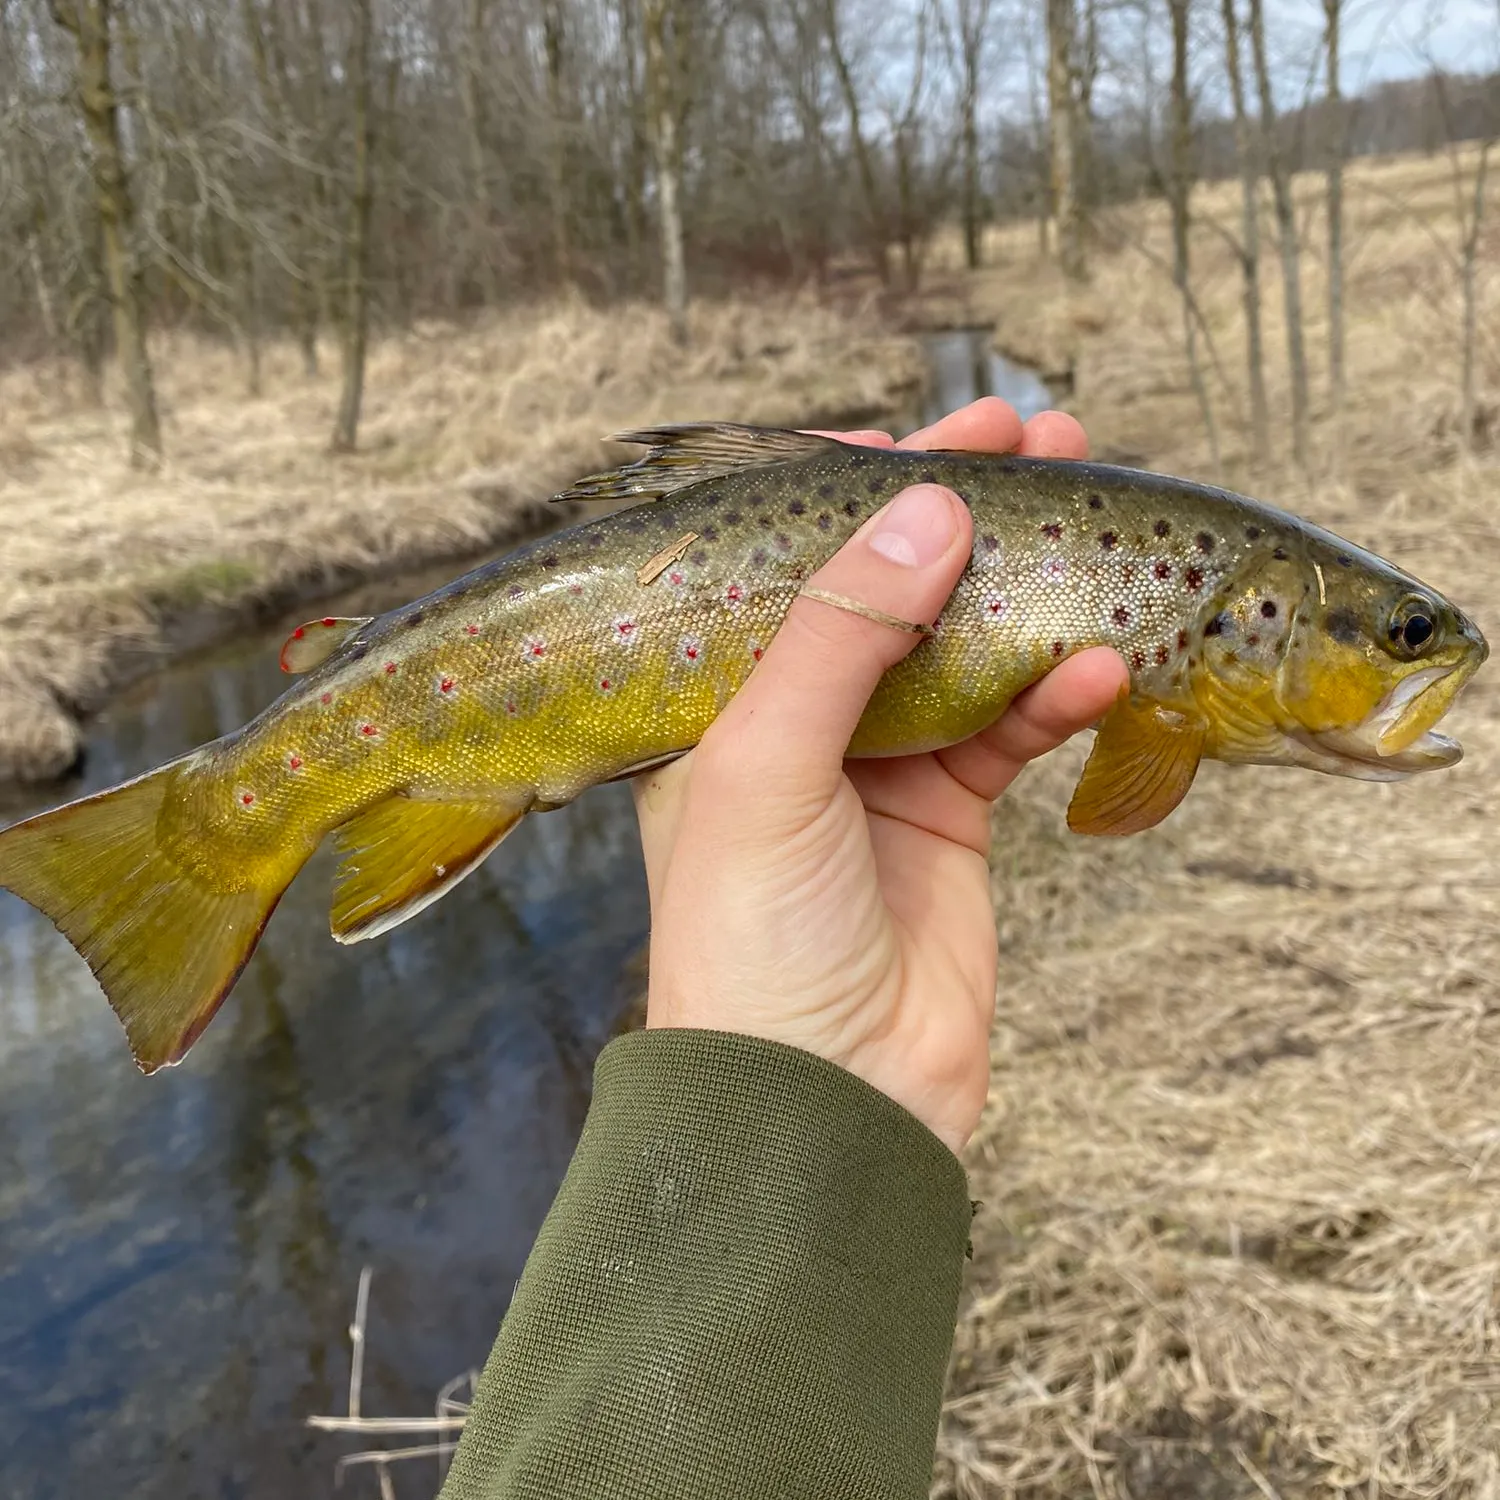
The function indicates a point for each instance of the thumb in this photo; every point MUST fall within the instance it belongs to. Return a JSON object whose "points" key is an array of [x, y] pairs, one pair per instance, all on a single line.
{"points": [[797, 713]]}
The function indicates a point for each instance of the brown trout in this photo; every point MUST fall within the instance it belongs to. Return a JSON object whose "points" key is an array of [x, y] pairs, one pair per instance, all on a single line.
{"points": [[420, 738]]}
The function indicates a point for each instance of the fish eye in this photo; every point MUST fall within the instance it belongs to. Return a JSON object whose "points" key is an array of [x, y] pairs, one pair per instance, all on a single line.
{"points": [[1413, 626]]}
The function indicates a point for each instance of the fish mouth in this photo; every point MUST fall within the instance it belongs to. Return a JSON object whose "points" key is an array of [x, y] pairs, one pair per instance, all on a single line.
{"points": [[1397, 738]]}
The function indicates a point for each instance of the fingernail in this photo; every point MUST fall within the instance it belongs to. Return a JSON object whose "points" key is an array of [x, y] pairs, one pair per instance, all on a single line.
{"points": [[916, 528]]}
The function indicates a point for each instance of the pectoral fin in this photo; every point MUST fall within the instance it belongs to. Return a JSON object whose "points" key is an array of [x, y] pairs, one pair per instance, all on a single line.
{"points": [[313, 643], [405, 853], [1142, 764]]}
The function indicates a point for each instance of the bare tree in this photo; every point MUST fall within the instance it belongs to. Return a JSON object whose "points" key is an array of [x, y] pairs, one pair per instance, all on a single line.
{"points": [[1062, 95], [863, 157], [357, 245], [1286, 229], [667, 52], [1180, 186], [965, 34], [1249, 243], [1336, 146], [89, 22]]}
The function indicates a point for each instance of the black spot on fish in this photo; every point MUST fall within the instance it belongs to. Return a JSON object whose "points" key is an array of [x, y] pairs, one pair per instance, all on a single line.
{"points": [[783, 541], [1252, 533], [1221, 624], [414, 618], [712, 499], [636, 524], [1121, 615], [825, 490], [710, 533], [359, 653], [928, 477], [1161, 656], [595, 539], [1182, 640], [1344, 560], [1193, 578], [1052, 530], [1343, 625], [875, 484], [550, 560], [699, 559], [796, 508], [1252, 640], [764, 522], [1107, 539], [516, 591], [1137, 659], [1279, 554], [1268, 609], [732, 518], [756, 499], [824, 520], [1163, 570], [990, 543], [759, 557], [1058, 647], [1205, 543], [1163, 528], [1096, 502], [851, 507]]}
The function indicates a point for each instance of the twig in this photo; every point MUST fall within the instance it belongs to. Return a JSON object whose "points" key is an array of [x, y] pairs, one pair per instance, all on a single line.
{"points": [[357, 1340]]}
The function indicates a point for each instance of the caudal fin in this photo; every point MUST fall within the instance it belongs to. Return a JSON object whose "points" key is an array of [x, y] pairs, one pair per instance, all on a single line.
{"points": [[165, 943]]}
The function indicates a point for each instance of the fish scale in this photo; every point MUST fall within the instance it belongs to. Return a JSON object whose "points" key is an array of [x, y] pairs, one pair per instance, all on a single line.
{"points": [[418, 739]]}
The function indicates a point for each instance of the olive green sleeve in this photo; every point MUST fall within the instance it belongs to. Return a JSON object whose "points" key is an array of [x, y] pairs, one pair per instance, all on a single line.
{"points": [[746, 1287]]}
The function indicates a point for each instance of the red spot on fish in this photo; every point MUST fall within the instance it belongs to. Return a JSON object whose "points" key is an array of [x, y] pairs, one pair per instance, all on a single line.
{"points": [[604, 684], [691, 648], [1161, 656], [1137, 660], [1163, 570], [1194, 579], [247, 798], [1182, 640], [734, 593], [472, 629], [390, 669], [326, 699], [510, 706], [674, 577], [538, 649], [368, 730], [294, 763], [298, 633], [575, 588], [757, 652], [445, 685], [1053, 530], [329, 620]]}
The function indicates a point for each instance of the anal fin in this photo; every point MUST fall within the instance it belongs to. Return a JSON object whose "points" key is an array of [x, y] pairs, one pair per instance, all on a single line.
{"points": [[1143, 762], [405, 853]]}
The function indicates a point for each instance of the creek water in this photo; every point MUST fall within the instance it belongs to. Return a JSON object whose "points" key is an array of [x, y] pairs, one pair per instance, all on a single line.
{"points": [[179, 1255]]}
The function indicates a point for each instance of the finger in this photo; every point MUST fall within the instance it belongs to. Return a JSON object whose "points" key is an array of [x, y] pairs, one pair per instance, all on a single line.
{"points": [[864, 437], [988, 425], [1054, 434], [790, 725], [1075, 694]]}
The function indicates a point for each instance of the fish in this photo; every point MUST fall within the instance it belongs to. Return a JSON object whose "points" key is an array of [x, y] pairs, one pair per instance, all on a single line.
{"points": [[419, 738]]}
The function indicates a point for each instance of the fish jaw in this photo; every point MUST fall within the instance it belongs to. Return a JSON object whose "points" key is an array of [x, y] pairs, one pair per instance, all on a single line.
{"points": [[1397, 738]]}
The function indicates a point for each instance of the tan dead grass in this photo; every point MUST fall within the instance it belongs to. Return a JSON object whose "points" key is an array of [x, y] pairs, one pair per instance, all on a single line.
{"points": [[1242, 1161], [466, 431]]}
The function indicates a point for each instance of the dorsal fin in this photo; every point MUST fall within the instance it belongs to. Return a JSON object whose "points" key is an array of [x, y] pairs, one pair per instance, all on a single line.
{"points": [[316, 640], [692, 453]]}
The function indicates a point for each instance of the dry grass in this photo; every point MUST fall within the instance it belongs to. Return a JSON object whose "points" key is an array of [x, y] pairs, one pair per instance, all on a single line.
{"points": [[465, 433], [1242, 1160]]}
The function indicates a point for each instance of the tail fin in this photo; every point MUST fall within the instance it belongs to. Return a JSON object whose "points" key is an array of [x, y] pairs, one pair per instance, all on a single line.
{"points": [[165, 945]]}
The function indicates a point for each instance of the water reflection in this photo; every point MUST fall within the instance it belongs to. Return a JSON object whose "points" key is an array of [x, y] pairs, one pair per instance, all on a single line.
{"points": [[964, 366], [178, 1255]]}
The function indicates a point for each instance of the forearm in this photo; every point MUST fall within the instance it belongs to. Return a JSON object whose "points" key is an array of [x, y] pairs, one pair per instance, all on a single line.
{"points": [[746, 1287]]}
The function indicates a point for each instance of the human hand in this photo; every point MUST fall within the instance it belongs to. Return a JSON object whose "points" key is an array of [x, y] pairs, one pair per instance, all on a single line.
{"points": [[843, 907]]}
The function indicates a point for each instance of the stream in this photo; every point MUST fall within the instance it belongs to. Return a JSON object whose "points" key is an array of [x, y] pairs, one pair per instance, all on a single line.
{"points": [[179, 1255]]}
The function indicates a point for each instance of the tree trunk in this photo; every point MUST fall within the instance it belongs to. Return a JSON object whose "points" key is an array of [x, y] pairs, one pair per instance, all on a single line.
{"points": [[1180, 187], [1467, 394], [357, 248], [1286, 228], [1335, 171], [557, 145], [89, 23], [1244, 150], [470, 72], [663, 79], [862, 159], [1063, 112]]}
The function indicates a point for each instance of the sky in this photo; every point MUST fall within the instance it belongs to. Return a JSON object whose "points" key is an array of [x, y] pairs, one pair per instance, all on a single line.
{"points": [[1385, 39]]}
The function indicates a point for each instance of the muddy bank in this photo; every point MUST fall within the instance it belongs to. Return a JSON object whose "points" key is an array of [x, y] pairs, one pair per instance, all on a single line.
{"points": [[108, 574]]}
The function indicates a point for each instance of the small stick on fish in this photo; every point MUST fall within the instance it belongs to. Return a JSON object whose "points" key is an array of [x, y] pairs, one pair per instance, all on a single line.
{"points": [[854, 607], [665, 558]]}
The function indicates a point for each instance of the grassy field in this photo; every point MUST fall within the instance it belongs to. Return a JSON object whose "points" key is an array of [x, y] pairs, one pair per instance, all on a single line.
{"points": [[104, 572], [1241, 1166]]}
